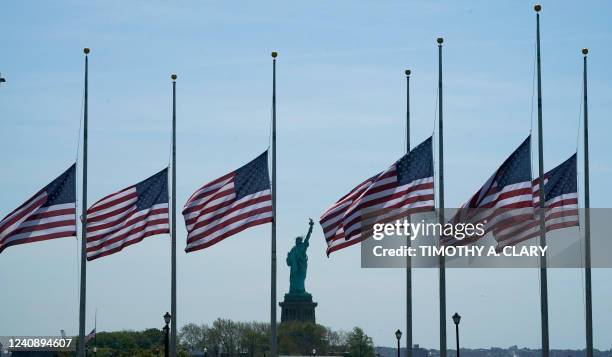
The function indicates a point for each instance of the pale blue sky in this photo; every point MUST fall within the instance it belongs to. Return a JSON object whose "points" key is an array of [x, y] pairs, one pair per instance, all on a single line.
{"points": [[340, 119]]}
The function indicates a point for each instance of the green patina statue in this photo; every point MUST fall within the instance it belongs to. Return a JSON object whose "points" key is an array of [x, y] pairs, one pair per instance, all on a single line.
{"points": [[298, 261]]}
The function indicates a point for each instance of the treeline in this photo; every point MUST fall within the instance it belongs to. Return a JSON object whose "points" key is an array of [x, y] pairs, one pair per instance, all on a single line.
{"points": [[145, 343], [227, 338], [252, 339]]}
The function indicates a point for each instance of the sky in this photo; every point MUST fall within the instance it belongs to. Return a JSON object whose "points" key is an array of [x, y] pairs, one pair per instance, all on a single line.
{"points": [[341, 119]]}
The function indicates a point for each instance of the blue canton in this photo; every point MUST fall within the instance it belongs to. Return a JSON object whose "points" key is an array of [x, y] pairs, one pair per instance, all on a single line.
{"points": [[62, 189], [417, 164], [517, 167], [562, 179], [252, 177], [153, 190]]}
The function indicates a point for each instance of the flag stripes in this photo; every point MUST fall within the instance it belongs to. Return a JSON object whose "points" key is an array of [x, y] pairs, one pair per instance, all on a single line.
{"points": [[406, 187], [503, 201], [90, 336], [229, 205], [561, 205], [128, 216], [507, 203], [49, 214], [331, 219]]}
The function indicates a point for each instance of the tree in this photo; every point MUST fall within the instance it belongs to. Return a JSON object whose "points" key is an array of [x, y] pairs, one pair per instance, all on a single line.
{"points": [[360, 344], [226, 336], [194, 337], [254, 338], [300, 338], [337, 341]]}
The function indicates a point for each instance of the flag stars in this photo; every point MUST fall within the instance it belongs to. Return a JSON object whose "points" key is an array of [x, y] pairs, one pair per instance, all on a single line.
{"points": [[517, 168], [563, 179], [149, 216], [153, 190], [60, 197], [252, 177], [417, 164], [247, 191], [62, 189]]}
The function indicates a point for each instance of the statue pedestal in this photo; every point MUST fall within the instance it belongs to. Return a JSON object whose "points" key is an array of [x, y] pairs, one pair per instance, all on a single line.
{"points": [[298, 307]]}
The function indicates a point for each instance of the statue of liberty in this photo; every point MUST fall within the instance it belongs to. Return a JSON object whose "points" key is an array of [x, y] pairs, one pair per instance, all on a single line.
{"points": [[298, 262]]}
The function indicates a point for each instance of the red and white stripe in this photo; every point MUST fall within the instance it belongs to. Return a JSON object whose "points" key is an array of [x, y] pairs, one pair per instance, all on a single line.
{"points": [[90, 336], [114, 223], [506, 207], [331, 219], [377, 200], [559, 212], [31, 222], [496, 209], [212, 213]]}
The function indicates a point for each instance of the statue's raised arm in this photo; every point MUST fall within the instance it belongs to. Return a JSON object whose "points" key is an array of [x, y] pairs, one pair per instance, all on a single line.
{"points": [[311, 223], [298, 261]]}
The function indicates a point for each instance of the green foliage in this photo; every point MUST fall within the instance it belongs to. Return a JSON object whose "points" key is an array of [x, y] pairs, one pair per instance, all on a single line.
{"points": [[337, 341], [146, 343], [300, 338], [128, 343], [254, 338], [227, 338], [360, 344], [195, 337]]}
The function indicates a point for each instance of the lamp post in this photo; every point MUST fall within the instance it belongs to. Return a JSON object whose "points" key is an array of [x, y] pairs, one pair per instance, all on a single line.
{"points": [[167, 319], [456, 320], [205, 352], [314, 352], [398, 335]]}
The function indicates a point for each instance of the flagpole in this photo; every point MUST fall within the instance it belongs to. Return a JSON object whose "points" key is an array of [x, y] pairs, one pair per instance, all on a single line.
{"points": [[83, 287], [273, 340], [408, 238], [442, 269], [173, 232], [407, 72], [587, 219], [543, 272]]}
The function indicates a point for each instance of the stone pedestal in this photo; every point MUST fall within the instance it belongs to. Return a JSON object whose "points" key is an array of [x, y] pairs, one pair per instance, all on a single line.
{"points": [[298, 307]]}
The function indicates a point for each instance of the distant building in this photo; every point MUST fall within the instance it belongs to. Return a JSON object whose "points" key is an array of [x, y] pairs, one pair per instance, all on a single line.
{"points": [[417, 351]]}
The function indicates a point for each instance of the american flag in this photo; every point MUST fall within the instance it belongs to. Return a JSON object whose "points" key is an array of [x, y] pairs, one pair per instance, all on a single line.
{"points": [[406, 187], [128, 216], [504, 200], [229, 204], [49, 214], [90, 336], [561, 205]]}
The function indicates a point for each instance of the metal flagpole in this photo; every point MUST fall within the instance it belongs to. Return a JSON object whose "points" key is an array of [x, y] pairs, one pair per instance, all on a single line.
{"points": [[408, 238], [587, 219], [442, 269], [173, 231], [543, 273], [82, 296], [273, 340]]}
